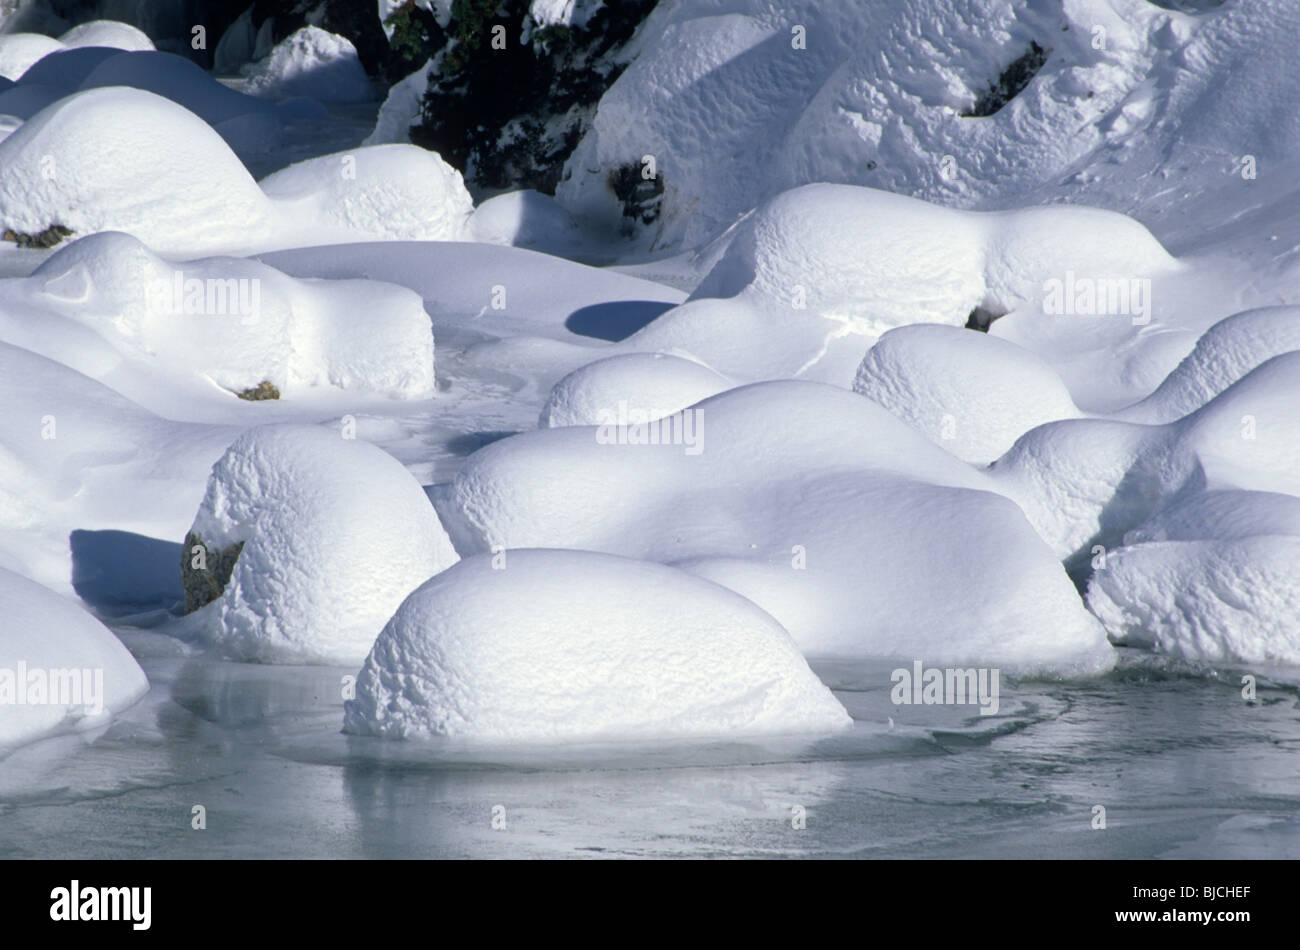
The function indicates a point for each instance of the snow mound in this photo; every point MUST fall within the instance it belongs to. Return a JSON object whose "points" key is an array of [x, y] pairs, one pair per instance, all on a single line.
{"points": [[970, 393], [125, 159], [402, 108], [223, 321], [249, 125], [18, 51], [633, 387], [858, 534], [1235, 601], [525, 218], [819, 272], [846, 93], [570, 645], [328, 536], [314, 63], [111, 33], [1084, 483], [67, 69], [1210, 578], [1224, 354], [382, 192], [61, 670]]}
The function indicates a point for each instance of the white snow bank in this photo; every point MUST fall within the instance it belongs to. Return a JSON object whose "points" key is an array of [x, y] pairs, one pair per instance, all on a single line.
{"points": [[335, 533], [1223, 354], [546, 646], [1217, 601], [574, 13], [970, 393], [1084, 483], [108, 307], [819, 272], [18, 51], [384, 192], [74, 454], [402, 108], [632, 387], [61, 670], [249, 125], [314, 63], [498, 291], [125, 159], [871, 94], [111, 33], [525, 218], [1211, 578], [854, 531]]}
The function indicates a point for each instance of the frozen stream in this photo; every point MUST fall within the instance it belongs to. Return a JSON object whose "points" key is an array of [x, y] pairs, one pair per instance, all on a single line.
{"points": [[1183, 766]]}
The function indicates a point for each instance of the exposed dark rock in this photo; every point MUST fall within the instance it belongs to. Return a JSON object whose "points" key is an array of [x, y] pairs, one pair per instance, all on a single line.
{"points": [[202, 586], [263, 390], [1011, 83], [980, 319], [50, 237]]}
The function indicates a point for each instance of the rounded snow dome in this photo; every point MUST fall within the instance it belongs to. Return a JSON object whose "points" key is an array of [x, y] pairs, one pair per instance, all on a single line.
{"points": [[648, 385], [19, 51], [59, 646], [127, 160], [311, 540], [552, 645], [388, 192], [107, 33]]}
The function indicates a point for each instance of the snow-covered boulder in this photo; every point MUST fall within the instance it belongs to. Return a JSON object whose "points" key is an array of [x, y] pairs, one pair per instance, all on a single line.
{"points": [[109, 33], [631, 387], [1211, 578], [525, 218], [18, 51], [561, 646], [810, 279], [249, 125], [129, 160], [1223, 354], [1211, 601], [381, 192], [1084, 483], [224, 321], [311, 62], [857, 533], [971, 393], [61, 670], [309, 540]]}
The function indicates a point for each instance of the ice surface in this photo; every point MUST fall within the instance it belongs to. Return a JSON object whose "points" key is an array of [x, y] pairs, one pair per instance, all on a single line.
{"points": [[546, 646]]}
